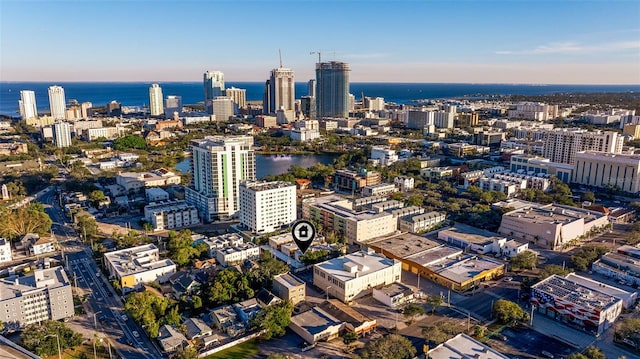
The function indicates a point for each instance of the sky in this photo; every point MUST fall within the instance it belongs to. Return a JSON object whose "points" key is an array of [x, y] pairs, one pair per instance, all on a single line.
{"points": [[516, 41]]}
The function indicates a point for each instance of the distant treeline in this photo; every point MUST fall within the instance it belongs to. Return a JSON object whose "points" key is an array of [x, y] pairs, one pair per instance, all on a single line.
{"points": [[600, 101]]}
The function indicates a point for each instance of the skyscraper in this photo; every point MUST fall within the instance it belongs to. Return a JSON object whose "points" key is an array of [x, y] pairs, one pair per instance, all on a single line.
{"points": [[213, 85], [155, 100], [173, 105], [332, 89], [218, 164], [27, 102], [311, 88], [239, 97], [61, 134], [57, 102], [281, 90]]}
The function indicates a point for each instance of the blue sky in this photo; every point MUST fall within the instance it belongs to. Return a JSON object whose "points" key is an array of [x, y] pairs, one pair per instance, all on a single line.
{"points": [[386, 41]]}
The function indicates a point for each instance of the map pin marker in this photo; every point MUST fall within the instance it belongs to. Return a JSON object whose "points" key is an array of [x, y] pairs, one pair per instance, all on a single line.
{"points": [[303, 233]]}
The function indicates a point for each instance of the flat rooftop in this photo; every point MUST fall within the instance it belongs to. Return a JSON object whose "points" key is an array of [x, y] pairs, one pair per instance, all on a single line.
{"points": [[288, 280], [463, 269], [551, 214], [574, 292], [343, 208], [463, 346], [136, 260], [434, 255], [601, 287], [470, 234], [395, 289], [404, 245], [364, 263], [315, 321], [13, 286], [266, 186]]}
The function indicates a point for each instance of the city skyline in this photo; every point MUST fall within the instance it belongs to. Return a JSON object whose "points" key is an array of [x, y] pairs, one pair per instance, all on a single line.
{"points": [[568, 42]]}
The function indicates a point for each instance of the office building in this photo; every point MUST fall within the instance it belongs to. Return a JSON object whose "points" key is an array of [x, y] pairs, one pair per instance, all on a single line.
{"points": [[61, 134], [223, 108], [332, 89], [57, 102], [599, 169], [622, 265], [311, 88], [218, 165], [156, 107], [85, 109], [419, 120], [173, 106], [384, 156], [170, 215], [534, 111], [267, 206], [239, 97], [562, 144], [134, 267], [534, 164], [27, 103], [551, 226], [213, 85], [587, 307], [354, 275], [44, 295], [281, 91]]}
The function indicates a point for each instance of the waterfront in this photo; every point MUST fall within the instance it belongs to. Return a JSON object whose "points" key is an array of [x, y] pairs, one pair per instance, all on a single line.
{"points": [[276, 164]]}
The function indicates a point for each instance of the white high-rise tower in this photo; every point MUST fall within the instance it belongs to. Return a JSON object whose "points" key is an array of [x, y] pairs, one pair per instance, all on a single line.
{"points": [[218, 164], [27, 102], [213, 85], [156, 106], [57, 102], [61, 134]]}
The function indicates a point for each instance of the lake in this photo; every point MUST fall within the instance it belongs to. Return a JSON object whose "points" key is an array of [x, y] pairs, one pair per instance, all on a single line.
{"points": [[276, 164]]}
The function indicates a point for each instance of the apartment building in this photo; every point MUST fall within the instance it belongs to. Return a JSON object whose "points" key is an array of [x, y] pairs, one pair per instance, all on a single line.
{"points": [[420, 222], [267, 206], [171, 215], [356, 222], [354, 181], [598, 169], [237, 254], [383, 156], [350, 276], [133, 267], [380, 189], [562, 144], [289, 287], [5, 250], [44, 295], [404, 183]]}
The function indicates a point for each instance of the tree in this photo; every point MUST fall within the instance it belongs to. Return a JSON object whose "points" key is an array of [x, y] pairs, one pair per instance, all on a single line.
{"points": [[39, 338], [96, 196], [29, 219], [196, 302], [313, 257], [479, 331], [586, 255], [180, 247], [415, 200], [434, 301], [273, 319], [589, 197], [628, 328], [147, 309], [277, 356], [524, 260], [434, 335], [392, 346], [551, 269], [507, 311], [87, 225], [590, 353], [268, 267], [129, 142], [349, 337], [229, 286], [186, 353], [412, 310]]}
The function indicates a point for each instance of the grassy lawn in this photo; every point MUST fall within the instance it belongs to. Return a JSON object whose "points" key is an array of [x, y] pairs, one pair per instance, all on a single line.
{"points": [[245, 350], [83, 351]]}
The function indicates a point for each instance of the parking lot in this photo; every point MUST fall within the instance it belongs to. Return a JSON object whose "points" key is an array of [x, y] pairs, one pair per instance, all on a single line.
{"points": [[527, 343]]}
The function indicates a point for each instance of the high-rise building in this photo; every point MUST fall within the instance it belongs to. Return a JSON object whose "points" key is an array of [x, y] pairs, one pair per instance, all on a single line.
{"points": [[332, 89], [562, 144], [311, 88], [85, 109], [57, 102], [281, 90], [173, 105], [213, 85], [598, 169], [267, 206], [218, 165], [223, 108], [27, 102], [239, 97], [155, 100], [61, 134]]}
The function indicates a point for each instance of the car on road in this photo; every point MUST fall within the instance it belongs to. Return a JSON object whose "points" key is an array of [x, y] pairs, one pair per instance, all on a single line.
{"points": [[546, 354], [124, 317], [508, 279], [135, 334]]}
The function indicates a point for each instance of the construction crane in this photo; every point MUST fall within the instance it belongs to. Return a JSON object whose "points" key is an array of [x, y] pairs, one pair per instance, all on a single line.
{"points": [[319, 55]]}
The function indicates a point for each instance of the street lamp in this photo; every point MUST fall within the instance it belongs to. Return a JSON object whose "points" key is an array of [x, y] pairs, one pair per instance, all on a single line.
{"points": [[95, 323], [57, 341], [327, 291]]}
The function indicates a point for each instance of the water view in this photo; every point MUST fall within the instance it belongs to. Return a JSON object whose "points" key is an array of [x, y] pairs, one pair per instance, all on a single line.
{"points": [[276, 164]]}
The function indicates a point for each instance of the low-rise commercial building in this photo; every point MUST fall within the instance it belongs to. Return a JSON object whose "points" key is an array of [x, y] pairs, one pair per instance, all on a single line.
{"points": [[350, 276], [481, 241], [316, 325], [353, 320], [551, 226], [289, 287], [528, 164], [628, 298], [622, 265], [570, 302], [464, 346], [44, 295], [171, 215], [133, 267], [394, 295], [136, 181], [380, 189]]}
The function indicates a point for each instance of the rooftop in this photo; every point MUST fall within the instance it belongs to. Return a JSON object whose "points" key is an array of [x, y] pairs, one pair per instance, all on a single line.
{"points": [[137, 259], [265, 186], [343, 312], [395, 289], [14, 286], [553, 214], [463, 346], [404, 245], [315, 321], [462, 269], [356, 264], [288, 280], [470, 234], [344, 208], [571, 291]]}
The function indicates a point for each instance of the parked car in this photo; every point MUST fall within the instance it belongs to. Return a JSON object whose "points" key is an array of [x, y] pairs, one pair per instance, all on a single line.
{"points": [[135, 334]]}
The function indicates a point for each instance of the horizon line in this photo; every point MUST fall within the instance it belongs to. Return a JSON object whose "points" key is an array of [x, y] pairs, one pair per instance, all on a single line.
{"points": [[353, 82]]}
